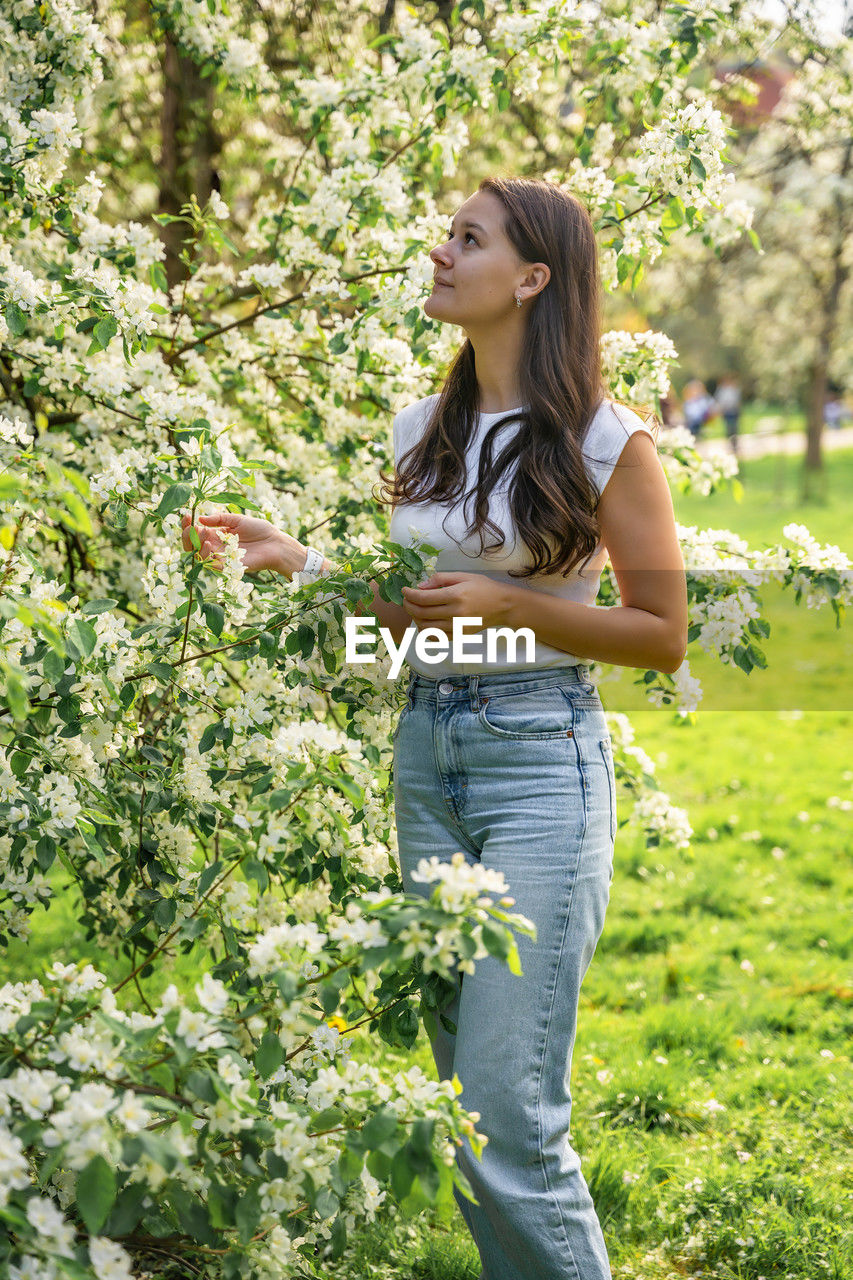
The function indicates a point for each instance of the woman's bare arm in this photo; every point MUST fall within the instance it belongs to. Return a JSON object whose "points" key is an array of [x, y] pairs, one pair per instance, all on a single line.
{"points": [[649, 628]]}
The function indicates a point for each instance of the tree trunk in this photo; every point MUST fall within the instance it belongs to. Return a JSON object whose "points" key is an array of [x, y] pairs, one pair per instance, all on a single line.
{"points": [[813, 460], [189, 144], [816, 398]]}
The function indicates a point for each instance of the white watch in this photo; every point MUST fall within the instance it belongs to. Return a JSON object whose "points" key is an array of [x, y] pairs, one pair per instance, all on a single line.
{"points": [[313, 566]]}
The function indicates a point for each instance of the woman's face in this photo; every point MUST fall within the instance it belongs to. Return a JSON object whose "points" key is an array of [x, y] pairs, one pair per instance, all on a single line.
{"points": [[477, 270]]}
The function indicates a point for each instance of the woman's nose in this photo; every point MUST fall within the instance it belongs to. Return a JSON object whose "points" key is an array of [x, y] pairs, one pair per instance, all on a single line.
{"points": [[439, 254]]}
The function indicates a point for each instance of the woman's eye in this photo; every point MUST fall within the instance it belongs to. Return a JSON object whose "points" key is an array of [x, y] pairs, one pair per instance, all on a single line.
{"points": [[467, 234]]}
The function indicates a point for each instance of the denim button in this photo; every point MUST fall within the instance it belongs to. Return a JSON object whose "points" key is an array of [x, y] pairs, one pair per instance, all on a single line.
{"points": [[444, 687]]}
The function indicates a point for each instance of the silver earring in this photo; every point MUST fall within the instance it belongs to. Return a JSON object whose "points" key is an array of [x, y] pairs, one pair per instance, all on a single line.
{"points": [[517, 300]]}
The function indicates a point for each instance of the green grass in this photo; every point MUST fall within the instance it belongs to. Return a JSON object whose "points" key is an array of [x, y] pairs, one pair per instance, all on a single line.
{"points": [[772, 499]]}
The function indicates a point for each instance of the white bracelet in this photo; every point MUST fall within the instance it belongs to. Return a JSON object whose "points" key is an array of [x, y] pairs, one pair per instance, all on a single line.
{"points": [[313, 566]]}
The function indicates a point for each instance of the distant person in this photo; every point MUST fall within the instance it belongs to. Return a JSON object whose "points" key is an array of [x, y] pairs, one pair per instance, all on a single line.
{"points": [[698, 407], [834, 411], [728, 398]]}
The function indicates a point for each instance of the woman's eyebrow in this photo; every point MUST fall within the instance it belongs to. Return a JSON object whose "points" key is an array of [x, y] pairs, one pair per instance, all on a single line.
{"points": [[470, 224]]}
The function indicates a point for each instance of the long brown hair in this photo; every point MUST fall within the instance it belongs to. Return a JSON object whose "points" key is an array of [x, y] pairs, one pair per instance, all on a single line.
{"points": [[551, 497]]}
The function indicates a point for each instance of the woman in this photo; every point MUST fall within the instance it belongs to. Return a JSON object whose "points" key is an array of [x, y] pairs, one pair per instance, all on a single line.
{"points": [[509, 758]]}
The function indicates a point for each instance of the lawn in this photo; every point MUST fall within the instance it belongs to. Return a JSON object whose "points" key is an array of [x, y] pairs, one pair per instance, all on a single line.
{"points": [[771, 499]]}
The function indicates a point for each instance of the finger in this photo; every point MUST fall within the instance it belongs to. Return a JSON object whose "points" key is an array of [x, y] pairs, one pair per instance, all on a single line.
{"points": [[429, 595], [446, 579], [221, 519]]}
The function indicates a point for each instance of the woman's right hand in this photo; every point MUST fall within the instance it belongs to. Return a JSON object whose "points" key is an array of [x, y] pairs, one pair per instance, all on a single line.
{"points": [[262, 546]]}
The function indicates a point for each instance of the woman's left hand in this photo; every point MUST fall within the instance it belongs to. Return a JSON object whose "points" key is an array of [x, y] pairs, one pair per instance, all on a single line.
{"points": [[445, 596]]}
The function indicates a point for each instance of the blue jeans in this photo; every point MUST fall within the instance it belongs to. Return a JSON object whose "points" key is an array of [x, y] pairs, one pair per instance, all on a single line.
{"points": [[516, 770]]}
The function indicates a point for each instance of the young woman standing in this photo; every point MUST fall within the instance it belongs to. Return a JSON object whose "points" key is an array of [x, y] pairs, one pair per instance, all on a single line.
{"points": [[508, 759]]}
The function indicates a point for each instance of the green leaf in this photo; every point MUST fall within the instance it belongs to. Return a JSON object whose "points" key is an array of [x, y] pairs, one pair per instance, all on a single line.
{"points": [[326, 1202], [247, 1214], [337, 1239], [350, 788], [697, 166], [213, 733], [164, 913], [84, 636], [402, 1174], [119, 511], [390, 588], [270, 1055], [331, 1118], [214, 615], [624, 267], [96, 1193], [192, 1215], [45, 853], [157, 277], [200, 1084], [98, 606], [16, 319], [10, 487], [207, 877], [742, 659], [381, 1126], [127, 1210], [176, 496], [104, 331], [306, 638], [16, 693], [676, 211], [161, 671]]}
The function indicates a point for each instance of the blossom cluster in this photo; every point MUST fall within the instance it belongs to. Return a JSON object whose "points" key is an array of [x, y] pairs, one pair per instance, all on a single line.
{"points": [[83, 1073], [637, 364]]}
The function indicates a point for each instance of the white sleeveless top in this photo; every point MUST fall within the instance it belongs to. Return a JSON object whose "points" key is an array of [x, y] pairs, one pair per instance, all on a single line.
{"points": [[606, 437]]}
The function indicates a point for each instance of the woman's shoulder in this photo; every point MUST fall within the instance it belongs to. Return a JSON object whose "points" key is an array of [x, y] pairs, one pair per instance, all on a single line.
{"points": [[611, 426], [417, 411], [609, 430], [410, 421]]}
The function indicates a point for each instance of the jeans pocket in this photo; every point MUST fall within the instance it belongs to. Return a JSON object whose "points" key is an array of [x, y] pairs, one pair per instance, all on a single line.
{"points": [[606, 748], [533, 715]]}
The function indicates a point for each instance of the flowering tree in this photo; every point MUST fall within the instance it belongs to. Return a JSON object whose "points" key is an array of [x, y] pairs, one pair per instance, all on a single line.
{"points": [[795, 173], [187, 745]]}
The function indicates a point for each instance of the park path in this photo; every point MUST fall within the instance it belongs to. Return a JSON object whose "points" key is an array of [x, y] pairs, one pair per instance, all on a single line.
{"points": [[759, 443]]}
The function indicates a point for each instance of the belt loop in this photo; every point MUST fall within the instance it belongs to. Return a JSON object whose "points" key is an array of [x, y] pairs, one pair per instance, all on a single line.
{"points": [[472, 689]]}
